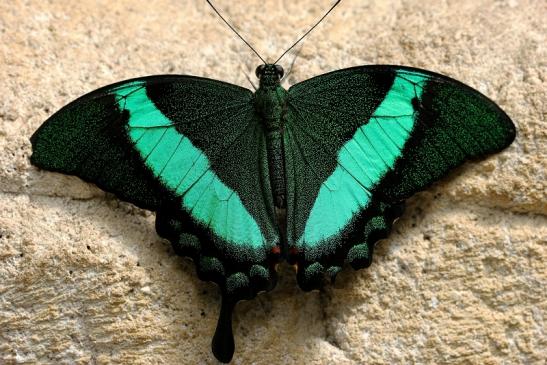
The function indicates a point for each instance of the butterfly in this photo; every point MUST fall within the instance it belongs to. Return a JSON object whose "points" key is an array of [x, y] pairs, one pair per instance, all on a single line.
{"points": [[240, 180]]}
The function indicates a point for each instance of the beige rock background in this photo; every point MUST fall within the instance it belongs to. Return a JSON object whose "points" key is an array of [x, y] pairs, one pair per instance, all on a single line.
{"points": [[84, 279]]}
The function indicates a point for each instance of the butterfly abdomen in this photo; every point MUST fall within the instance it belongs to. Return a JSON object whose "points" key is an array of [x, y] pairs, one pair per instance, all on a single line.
{"points": [[276, 165], [276, 169]]}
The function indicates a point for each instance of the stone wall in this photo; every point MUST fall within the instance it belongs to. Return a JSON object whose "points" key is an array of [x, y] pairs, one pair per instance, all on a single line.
{"points": [[84, 279]]}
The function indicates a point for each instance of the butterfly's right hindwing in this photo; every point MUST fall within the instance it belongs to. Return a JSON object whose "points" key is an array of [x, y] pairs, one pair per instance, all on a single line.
{"points": [[191, 149]]}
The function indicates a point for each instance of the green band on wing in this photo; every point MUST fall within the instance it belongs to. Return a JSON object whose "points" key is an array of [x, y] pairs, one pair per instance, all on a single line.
{"points": [[364, 160], [185, 170]]}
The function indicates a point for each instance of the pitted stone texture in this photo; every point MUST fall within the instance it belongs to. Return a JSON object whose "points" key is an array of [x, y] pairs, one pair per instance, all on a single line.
{"points": [[452, 285], [85, 279]]}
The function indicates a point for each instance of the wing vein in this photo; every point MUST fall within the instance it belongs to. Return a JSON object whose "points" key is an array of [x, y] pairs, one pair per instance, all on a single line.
{"points": [[337, 162]]}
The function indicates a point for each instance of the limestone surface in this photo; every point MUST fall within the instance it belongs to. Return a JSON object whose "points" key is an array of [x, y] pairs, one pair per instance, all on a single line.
{"points": [[84, 278]]}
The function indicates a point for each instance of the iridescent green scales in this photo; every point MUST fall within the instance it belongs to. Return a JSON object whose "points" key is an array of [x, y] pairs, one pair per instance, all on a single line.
{"points": [[185, 169], [364, 160]]}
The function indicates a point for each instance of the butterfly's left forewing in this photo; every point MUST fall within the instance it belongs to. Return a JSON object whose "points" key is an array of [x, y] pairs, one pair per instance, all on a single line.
{"points": [[361, 140], [190, 149]]}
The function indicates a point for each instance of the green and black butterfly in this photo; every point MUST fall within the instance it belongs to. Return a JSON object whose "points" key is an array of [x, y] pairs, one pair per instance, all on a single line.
{"points": [[240, 181]]}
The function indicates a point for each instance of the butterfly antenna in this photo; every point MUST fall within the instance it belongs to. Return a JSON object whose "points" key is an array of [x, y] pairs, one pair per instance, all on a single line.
{"points": [[309, 31], [291, 65], [235, 31], [249, 79]]}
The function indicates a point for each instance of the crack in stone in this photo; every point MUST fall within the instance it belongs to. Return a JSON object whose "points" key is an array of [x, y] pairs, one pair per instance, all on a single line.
{"points": [[329, 336]]}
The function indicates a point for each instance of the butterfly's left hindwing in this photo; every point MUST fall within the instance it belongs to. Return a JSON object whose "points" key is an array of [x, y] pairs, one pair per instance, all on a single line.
{"points": [[190, 149], [359, 141]]}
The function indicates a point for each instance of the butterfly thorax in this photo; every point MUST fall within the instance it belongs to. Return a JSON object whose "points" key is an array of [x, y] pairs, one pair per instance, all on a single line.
{"points": [[270, 98]]}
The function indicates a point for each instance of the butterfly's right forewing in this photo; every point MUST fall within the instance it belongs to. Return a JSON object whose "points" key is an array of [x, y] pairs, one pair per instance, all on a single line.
{"points": [[359, 141]]}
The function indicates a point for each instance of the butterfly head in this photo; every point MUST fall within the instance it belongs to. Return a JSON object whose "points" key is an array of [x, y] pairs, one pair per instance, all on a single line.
{"points": [[269, 74]]}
